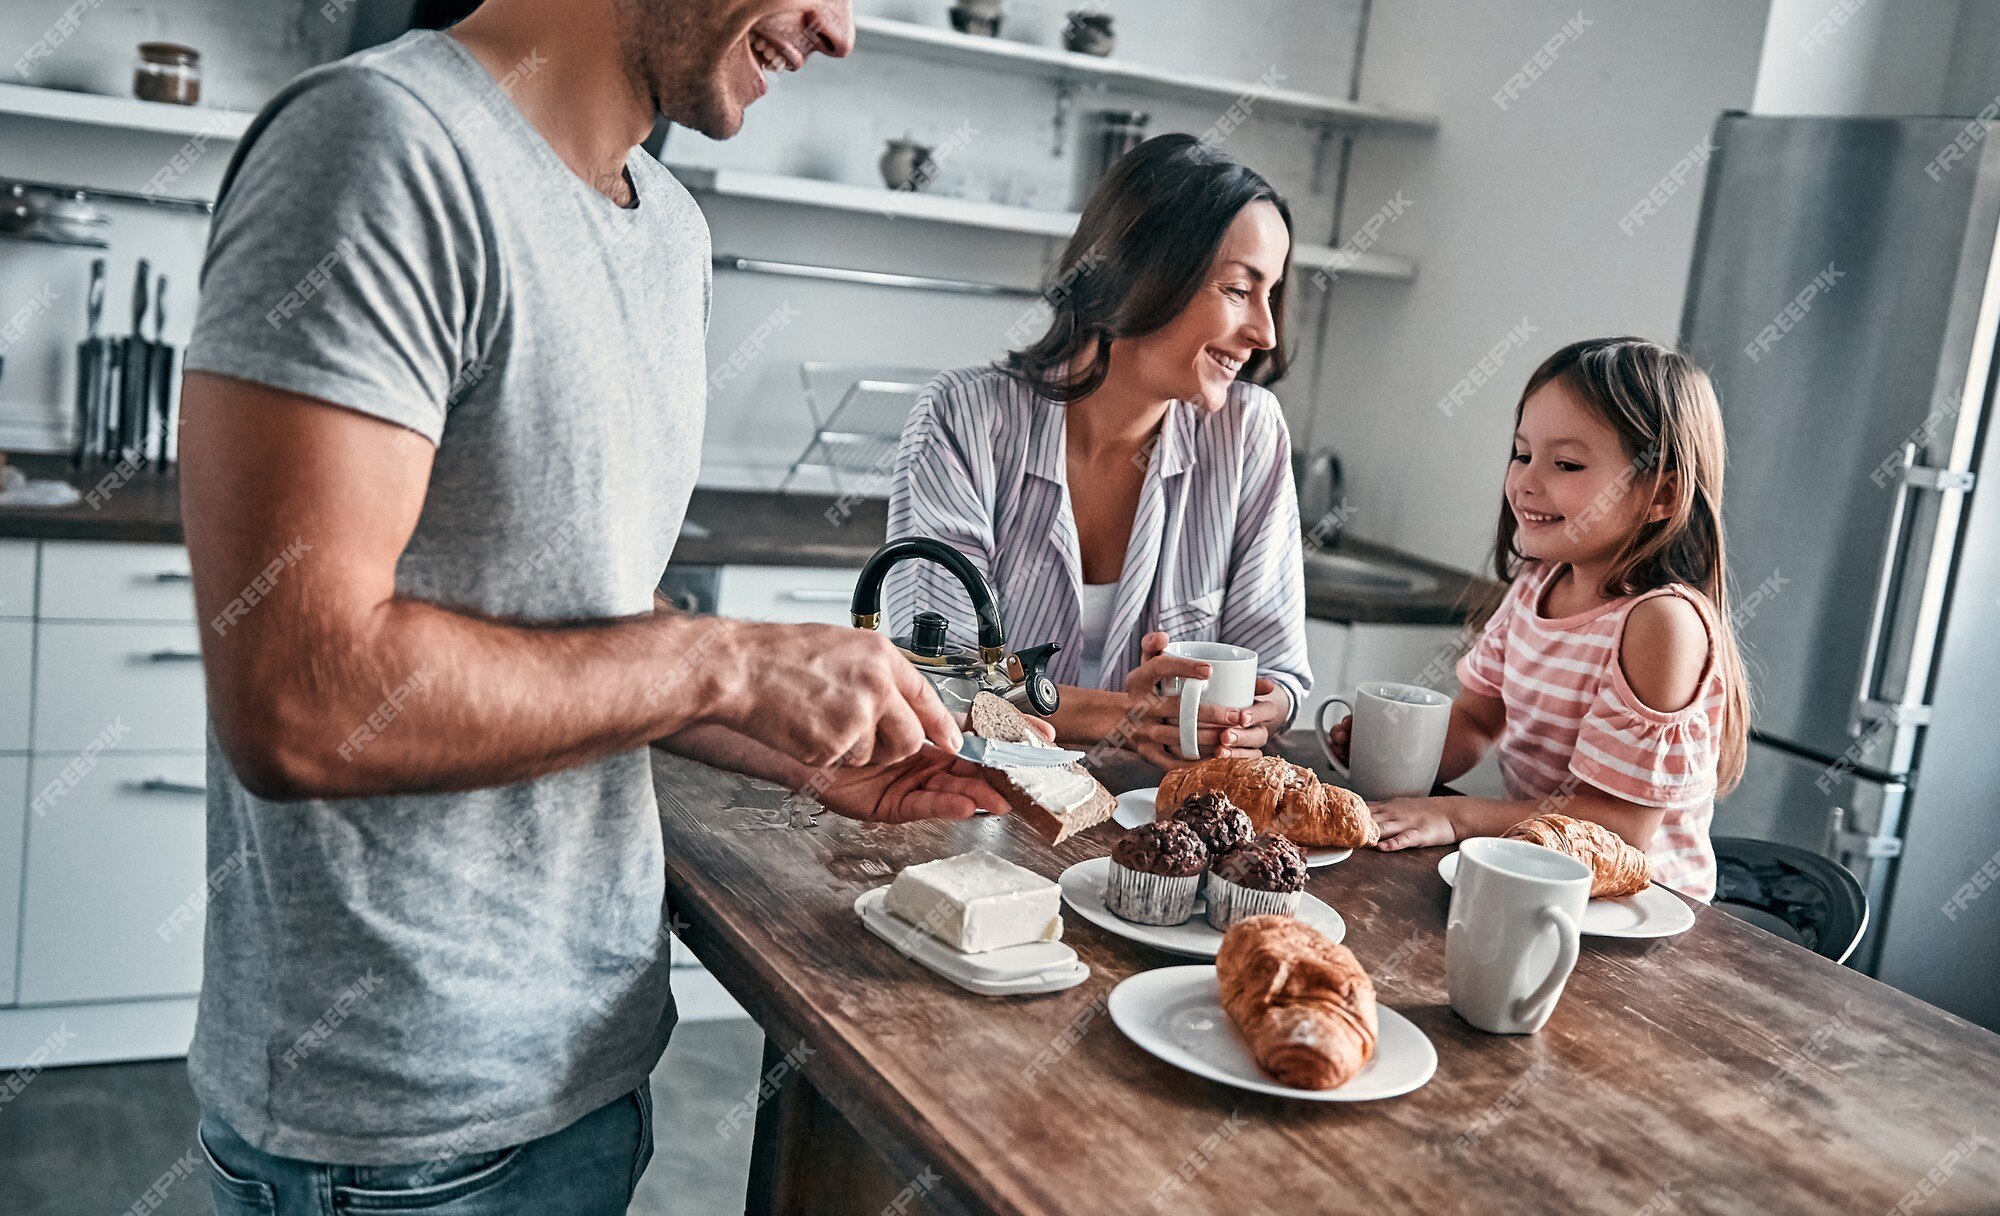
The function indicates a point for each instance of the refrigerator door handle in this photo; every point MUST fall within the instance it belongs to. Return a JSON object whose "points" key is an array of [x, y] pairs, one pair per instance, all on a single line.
{"points": [[1843, 844], [1869, 708]]}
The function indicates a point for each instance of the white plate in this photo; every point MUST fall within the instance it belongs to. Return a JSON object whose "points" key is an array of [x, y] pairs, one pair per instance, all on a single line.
{"points": [[1653, 912], [1083, 890], [1176, 1014], [1135, 807], [1012, 971]]}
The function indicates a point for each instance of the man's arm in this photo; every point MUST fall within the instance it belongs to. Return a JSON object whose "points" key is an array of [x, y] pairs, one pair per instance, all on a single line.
{"points": [[333, 685]]}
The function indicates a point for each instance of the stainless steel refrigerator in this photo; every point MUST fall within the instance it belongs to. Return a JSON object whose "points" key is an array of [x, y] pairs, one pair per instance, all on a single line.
{"points": [[1845, 296]]}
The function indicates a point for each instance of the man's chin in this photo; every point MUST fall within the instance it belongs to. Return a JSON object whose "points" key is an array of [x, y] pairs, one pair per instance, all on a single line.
{"points": [[715, 117]]}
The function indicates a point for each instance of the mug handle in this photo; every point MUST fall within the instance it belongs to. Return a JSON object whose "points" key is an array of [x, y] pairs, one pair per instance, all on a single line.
{"points": [[1530, 1007], [1191, 690], [1319, 721]]}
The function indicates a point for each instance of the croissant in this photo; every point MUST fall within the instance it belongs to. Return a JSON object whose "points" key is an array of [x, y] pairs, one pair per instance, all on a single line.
{"points": [[1617, 867], [1304, 1003], [1279, 796]]}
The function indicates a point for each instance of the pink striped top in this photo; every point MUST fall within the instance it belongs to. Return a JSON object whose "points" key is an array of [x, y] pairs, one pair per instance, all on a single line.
{"points": [[1572, 717]]}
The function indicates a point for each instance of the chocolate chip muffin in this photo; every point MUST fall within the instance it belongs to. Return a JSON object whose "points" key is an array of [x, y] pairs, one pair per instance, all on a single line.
{"points": [[1265, 875], [1154, 871], [1216, 820]]}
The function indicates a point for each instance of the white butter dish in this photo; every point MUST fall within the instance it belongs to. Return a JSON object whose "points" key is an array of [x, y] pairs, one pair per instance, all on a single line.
{"points": [[1046, 966]]}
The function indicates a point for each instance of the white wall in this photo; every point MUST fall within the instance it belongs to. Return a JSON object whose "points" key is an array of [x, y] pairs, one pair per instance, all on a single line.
{"points": [[1853, 57], [249, 48], [1514, 213], [831, 122]]}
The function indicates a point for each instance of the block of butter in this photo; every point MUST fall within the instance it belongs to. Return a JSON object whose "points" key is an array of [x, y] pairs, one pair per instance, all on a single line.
{"points": [[977, 902]]}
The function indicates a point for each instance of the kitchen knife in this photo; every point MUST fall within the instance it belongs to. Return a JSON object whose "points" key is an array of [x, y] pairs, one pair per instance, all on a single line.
{"points": [[998, 753], [159, 390], [86, 369], [133, 377]]}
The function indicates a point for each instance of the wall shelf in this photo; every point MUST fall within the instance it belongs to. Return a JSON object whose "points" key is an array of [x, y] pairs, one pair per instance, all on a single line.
{"points": [[91, 109], [39, 236], [899, 204], [1068, 67]]}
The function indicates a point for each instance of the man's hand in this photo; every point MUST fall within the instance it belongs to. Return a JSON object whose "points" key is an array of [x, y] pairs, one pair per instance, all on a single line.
{"points": [[821, 693], [929, 785]]}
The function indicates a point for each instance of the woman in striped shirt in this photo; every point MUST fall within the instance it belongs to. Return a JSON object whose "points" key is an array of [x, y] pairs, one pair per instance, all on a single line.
{"points": [[1125, 480], [1608, 678]]}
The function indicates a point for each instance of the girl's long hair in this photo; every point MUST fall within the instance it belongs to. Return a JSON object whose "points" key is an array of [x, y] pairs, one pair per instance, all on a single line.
{"points": [[1142, 249], [1666, 414]]}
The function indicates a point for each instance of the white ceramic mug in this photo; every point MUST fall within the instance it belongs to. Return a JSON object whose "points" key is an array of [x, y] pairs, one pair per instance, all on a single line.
{"points": [[1511, 936], [1397, 740], [1231, 683]]}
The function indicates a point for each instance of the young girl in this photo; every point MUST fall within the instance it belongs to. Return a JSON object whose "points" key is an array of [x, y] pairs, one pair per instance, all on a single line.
{"points": [[1609, 676]]}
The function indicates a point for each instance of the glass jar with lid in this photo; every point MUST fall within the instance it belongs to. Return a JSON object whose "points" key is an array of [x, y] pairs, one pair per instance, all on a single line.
{"points": [[169, 72]]}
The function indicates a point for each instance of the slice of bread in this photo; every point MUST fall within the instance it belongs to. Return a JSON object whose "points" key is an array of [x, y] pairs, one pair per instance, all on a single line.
{"points": [[1057, 802]]}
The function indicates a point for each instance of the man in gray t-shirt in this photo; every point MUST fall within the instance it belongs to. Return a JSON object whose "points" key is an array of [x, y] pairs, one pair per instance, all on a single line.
{"points": [[442, 414]]}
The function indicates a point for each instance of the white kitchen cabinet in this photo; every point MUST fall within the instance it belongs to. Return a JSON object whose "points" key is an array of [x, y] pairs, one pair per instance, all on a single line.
{"points": [[96, 581], [138, 684], [17, 666], [13, 812], [115, 879], [787, 593], [17, 578]]}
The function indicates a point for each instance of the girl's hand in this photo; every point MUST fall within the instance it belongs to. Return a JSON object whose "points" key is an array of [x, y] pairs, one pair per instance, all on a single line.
{"points": [[1155, 718], [1414, 823], [1340, 738]]}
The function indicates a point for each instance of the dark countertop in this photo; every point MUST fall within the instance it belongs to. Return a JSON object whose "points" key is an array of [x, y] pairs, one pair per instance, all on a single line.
{"points": [[741, 527]]}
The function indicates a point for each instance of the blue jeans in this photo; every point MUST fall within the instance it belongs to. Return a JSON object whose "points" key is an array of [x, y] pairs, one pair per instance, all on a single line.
{"points": [[589, 1168]]}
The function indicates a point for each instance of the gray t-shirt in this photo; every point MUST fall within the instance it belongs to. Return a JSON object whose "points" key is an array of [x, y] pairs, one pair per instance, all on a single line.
{"points": [[389, 980]]}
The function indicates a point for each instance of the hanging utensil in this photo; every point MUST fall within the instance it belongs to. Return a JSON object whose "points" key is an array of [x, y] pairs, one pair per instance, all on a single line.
{"points": [[87, 370]]}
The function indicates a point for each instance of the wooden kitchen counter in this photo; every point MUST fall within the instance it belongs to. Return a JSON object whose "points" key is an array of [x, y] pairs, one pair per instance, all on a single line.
{"points": [[1723, 1070]]}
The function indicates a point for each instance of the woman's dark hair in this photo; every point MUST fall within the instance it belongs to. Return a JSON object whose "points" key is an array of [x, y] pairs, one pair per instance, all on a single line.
{"points": [[1142, 249]]}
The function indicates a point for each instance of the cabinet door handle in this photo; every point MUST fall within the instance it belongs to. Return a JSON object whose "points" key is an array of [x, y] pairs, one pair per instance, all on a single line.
{"points": [[164, 785], [173, 576], [818, 595], [174, 656]]}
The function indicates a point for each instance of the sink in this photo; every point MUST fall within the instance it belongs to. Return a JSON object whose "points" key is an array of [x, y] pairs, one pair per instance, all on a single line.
{"points": [[1348, 572]]}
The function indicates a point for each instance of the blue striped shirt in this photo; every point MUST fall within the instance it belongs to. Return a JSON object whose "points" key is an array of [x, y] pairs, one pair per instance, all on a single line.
{"points": [[1215, 547]]}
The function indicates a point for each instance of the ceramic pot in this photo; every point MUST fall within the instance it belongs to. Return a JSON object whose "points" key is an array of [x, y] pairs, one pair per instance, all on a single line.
{"points": [[906, 165], [1089, 33]]}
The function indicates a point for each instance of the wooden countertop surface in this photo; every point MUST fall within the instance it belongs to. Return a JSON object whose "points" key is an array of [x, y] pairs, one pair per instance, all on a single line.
{"points": [[1723, 1070]]}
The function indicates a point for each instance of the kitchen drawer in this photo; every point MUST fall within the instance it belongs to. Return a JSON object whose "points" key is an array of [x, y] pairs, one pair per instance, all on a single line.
{"points": [[17, 665], [13, 809], [89, 581], [17, 578], [139, 686], [115, 881], [787, 593]]}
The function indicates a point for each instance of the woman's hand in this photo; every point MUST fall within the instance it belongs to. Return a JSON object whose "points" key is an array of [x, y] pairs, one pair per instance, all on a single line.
{"points": [[1415, 823], [1153, 727]]}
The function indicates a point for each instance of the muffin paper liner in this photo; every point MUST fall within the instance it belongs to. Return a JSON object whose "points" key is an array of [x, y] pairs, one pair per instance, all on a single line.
{"points": [[1150, 899], [1229, 902]]}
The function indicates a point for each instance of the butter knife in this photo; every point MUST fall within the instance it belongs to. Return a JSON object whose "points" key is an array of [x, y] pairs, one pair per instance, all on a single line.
{"points": [[997, 753]]}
